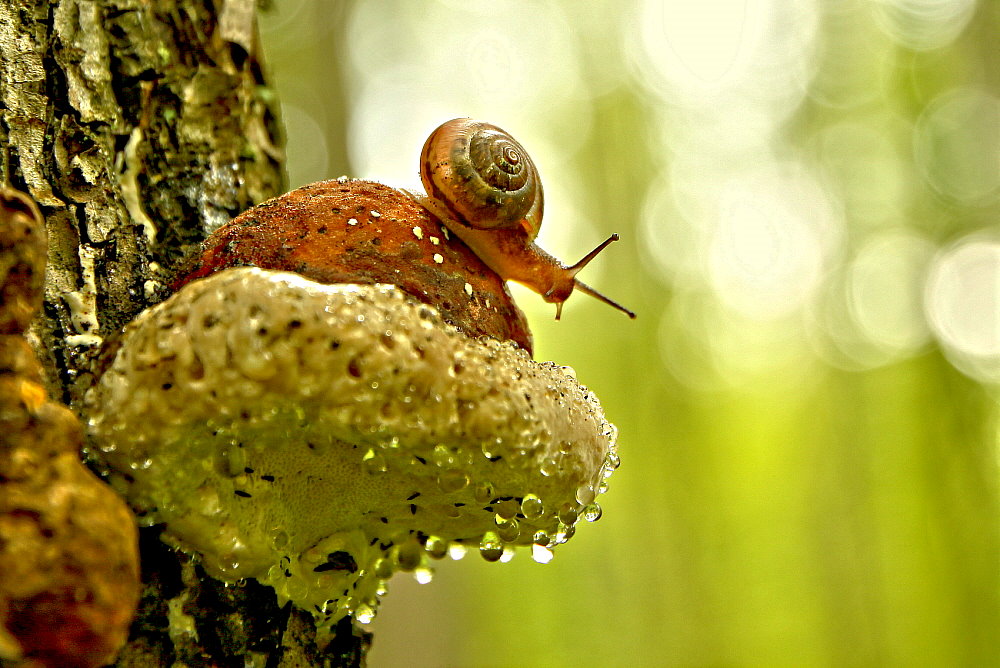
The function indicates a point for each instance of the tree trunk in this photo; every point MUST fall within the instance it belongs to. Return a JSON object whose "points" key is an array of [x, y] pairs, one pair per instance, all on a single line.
{"points": [[139, 126]]}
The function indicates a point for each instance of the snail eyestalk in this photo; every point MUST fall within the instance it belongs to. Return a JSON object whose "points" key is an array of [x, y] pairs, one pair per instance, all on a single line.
{"points": [[586, 289]]}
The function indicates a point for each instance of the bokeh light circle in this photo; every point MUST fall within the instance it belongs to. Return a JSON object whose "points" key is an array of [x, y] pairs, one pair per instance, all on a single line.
{"points": [[957, 145], [924, 24], [775, 233], [884, 292], [962, 303]]}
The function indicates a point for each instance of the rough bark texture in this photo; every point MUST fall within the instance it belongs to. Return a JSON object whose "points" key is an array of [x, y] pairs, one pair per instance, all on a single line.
{"points": [[139, 126]]}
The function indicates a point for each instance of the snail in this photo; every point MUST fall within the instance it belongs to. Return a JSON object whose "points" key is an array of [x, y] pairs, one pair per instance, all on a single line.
{"points": [[483, 186]]}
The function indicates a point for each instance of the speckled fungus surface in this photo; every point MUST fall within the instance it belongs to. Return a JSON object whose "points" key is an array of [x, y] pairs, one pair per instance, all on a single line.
{"points": [[321, 437]]}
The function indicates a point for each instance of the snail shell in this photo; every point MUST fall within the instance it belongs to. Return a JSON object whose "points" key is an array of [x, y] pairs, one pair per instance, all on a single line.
{"points": [[482, 176]]}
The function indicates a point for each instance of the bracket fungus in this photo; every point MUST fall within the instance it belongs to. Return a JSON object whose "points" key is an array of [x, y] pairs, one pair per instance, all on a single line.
{"points": [[360, 401]]}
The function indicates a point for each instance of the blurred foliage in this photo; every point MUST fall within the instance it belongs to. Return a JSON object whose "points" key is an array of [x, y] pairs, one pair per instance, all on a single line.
{"points": [[809, 193]]}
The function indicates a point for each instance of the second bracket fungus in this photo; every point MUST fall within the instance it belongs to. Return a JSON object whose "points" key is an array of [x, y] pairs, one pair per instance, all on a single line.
{"points": [[320, 437]]}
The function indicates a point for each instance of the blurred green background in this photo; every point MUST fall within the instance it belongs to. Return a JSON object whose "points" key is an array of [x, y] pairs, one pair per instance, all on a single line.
{"points": [[808, 193]]}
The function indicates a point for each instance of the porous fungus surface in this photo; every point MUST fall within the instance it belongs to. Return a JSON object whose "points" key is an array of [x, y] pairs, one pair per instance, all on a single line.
{"points": [[321, 437]]}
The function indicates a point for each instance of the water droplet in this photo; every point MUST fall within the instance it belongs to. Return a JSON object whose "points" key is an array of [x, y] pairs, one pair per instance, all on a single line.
{"points": [[549, 467], [564, 533], [436, 547], [611, 462], [383, 568], [541, 554], [452, 480], [456, 551], [568, 514], [235, 460], [279, 539], [532, 507], [409, 555], [490, 547], [443, 456], [423, 575], [364, 613], [484, 493], [585, 494], [592, 512], [540, 537], [508, 509], [374, 462], [314, 556], [228, 564], [507, 529]]}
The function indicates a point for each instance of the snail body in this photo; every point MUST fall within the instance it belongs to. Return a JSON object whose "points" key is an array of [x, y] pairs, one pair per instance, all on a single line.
{"points": [[483, 186]]}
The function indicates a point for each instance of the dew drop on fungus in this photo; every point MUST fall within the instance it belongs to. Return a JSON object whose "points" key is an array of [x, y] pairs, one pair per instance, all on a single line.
{"points": [[443, 456], [452, 480], [507, 529], [592, 512], [549, 467], [532, 507], [436, 548], [483, 493], [508, 509], [409, 555], [568, 514], [423, 575], [374, 462], [490, 546], [541, 554], [564, 533], [364, 613], [456, 551], [585, 494], [383, 568], [279, 539], [540, 537]]}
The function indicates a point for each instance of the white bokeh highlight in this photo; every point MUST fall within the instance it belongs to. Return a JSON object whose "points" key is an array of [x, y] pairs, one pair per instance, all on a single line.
{"points": [[962, 303], [922, 25]]}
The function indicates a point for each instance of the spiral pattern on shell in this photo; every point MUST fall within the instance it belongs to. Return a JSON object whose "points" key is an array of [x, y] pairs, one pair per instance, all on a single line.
{"points": [[482, 176]]}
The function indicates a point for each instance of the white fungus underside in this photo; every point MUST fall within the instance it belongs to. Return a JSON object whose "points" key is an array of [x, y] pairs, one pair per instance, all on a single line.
{"points": [[318, 437]]}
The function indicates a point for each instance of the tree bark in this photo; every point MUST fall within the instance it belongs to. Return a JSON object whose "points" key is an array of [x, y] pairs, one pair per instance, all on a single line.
{"points": [[139, 126]]}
